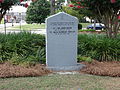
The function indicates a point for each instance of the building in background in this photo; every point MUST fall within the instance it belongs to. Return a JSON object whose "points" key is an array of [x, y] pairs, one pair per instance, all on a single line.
{"points": [[17, 13]]}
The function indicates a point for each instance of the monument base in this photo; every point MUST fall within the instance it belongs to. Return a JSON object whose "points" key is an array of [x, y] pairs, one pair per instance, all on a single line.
{"points": [[66, 68]]}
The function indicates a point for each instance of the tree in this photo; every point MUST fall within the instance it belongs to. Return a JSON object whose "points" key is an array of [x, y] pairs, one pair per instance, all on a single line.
{"points": [[55, 5], [52, 7], [73, 12], [6, 5], [105, 11], [38, 11]]}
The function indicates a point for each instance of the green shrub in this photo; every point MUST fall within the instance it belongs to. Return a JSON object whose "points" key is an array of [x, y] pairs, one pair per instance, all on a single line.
{"points": [[38, 11], [79, 26], [73, 12], [29, 61], [99, 47], [83, 58], [28, 49], [22, 46]]}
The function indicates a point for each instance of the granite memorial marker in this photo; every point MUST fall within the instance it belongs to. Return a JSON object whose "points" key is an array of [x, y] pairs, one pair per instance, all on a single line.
{"points": [[61, 42]]}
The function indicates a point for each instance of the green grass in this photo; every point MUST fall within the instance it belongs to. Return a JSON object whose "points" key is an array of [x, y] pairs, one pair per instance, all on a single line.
{"points": [[37, 26], [28, 27], [84, 25], [61, 82], [82, 30]]}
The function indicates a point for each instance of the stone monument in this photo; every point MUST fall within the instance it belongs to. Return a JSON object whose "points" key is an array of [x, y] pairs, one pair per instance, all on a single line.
{"points": [[61, 42]]}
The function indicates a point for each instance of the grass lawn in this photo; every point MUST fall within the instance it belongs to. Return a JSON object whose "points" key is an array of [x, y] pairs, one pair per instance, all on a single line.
{"points": [[84, 25], [28, 27], [61, 82], [36, 26]]}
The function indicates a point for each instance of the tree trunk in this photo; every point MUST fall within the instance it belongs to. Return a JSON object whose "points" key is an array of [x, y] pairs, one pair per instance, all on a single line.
{"points": [[94, 24], [52, 3], [1, 16], [111, 25], [112, 30], [2, 13]]}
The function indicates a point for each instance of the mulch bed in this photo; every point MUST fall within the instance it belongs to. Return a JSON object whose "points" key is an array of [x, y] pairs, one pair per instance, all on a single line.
{"points": [[9, 70], [102, 68], [94, 68]]}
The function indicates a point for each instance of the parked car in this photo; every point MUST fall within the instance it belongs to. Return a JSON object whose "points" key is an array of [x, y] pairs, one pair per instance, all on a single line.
{"points": [[98, 26]]}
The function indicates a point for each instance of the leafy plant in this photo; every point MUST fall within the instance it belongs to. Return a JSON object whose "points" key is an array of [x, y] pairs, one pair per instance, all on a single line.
{"points": [[28, 49], [73, 12], [99, 47], [83, 58], [22, 47], [38, 11], [105, 11]]}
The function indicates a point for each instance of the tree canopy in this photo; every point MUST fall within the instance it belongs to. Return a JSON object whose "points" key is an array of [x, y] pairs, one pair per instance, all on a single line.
{"points": [[38, 11], [106, 11]]}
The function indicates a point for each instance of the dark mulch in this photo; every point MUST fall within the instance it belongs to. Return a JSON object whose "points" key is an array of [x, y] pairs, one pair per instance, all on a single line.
{"points": [[9, 70], [102, 68]]}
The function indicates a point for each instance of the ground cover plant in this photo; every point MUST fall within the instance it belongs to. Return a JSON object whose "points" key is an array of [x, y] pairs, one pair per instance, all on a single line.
{"points": [[27, 46], [22, 48], [99, 47]]}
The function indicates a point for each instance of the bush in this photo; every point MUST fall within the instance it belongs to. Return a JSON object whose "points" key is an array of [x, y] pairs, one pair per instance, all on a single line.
{"points": [[22, 47], [79, 26], [28, 49], [38, 11], [99, 47], [83, 58], [73, 12]]}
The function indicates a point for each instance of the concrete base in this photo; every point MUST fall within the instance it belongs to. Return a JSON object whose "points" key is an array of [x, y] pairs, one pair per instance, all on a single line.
{"points": [[66, 68]]}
